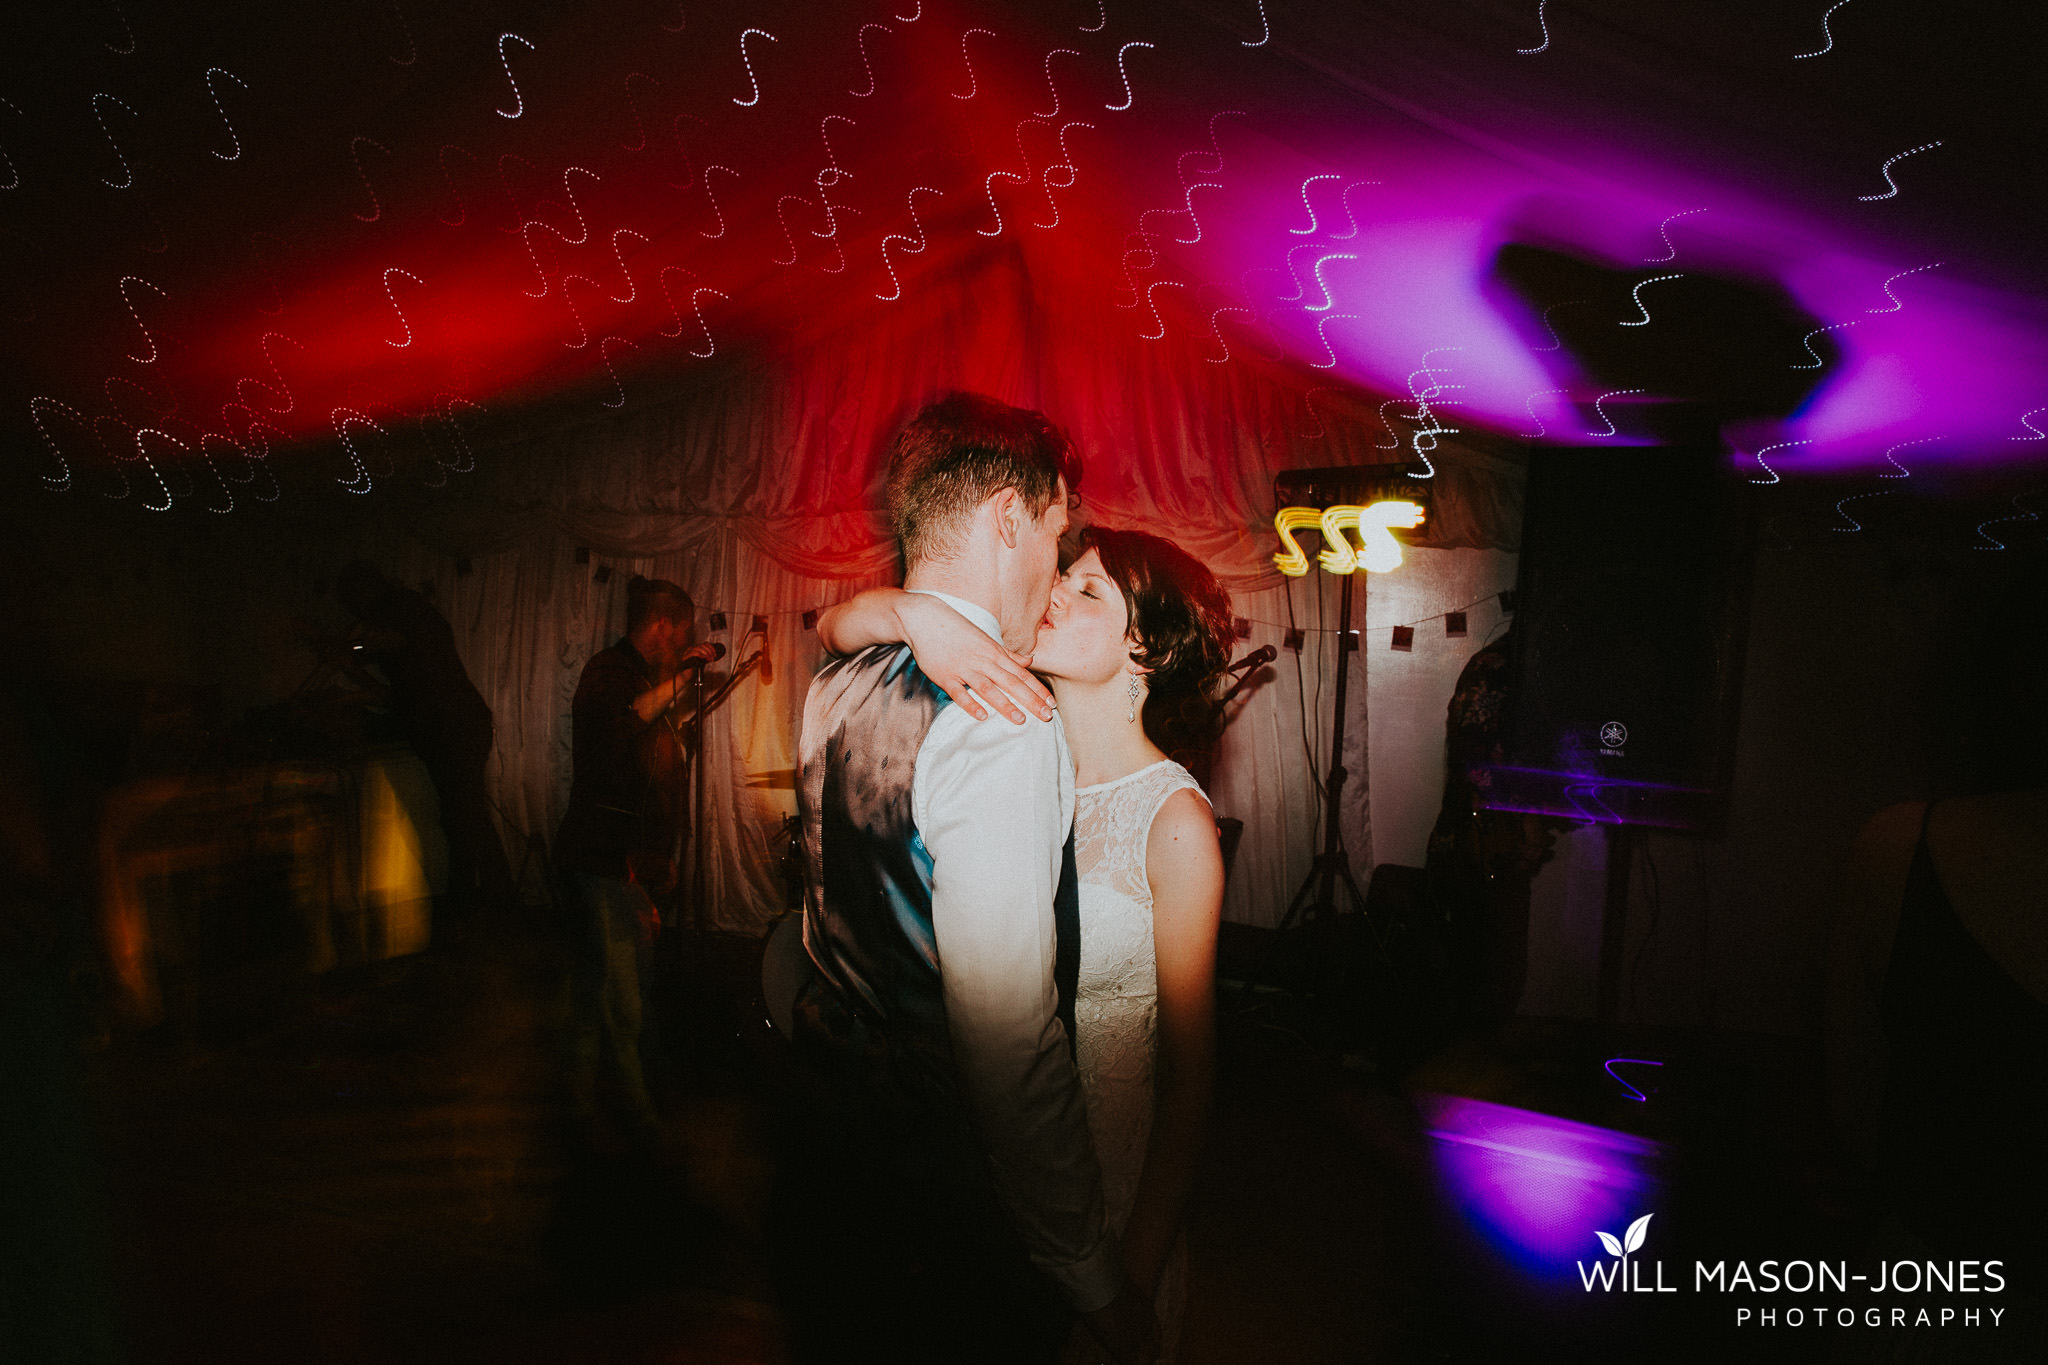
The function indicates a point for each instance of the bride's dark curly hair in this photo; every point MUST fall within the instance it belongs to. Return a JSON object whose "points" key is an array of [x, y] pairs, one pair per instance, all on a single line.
{"points": [[1181, 620]]}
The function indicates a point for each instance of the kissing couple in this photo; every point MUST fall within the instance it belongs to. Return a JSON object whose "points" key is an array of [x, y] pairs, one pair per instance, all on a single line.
{"points": [[1006, 1049]]}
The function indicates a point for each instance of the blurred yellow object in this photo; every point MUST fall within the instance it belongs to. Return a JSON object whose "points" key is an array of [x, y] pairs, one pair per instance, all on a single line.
{"points": [[1377, 551], [394, 887], [361, 846]]}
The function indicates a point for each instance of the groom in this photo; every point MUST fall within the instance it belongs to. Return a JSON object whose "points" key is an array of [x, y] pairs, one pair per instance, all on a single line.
{"points": [[957, 1214]]}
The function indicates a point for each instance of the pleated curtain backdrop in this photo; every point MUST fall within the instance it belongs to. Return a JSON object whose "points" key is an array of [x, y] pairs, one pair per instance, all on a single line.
{"points": [[757, 487]]}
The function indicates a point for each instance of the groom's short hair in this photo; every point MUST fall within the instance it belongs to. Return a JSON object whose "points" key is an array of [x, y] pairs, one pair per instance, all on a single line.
{"points": [[961, 450]]}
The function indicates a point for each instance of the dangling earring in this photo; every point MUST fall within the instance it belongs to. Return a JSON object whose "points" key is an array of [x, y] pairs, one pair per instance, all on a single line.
{"points": [[1134, 699]]}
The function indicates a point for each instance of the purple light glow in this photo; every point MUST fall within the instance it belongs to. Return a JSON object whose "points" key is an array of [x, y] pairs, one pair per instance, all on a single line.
{"points": [[1537, 1187], [1951, 358]]}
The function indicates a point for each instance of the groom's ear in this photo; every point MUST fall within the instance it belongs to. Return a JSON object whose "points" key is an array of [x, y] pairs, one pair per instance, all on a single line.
{"points": [[1006, 506]]}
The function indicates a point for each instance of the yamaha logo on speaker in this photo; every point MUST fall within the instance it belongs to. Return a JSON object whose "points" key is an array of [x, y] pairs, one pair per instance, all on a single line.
{"points": [[1612, 736]]}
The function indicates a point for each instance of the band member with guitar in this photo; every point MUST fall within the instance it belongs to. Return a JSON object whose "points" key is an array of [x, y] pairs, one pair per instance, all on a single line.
{"points": [[620, 847]]}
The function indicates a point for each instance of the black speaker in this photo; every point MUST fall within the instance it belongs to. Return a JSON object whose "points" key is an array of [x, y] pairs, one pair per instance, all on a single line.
{"points": [[1626, 652]]}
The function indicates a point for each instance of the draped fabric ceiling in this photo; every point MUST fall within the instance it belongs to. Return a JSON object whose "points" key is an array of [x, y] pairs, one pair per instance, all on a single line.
{"points": [[497, 281]]}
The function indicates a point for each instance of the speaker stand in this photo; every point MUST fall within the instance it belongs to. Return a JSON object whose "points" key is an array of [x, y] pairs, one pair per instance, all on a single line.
{"points": [[1621, 856], [1317, 899]]}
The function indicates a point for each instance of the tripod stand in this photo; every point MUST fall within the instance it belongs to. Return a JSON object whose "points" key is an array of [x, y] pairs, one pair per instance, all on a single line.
{"points": [[1317, 901]]}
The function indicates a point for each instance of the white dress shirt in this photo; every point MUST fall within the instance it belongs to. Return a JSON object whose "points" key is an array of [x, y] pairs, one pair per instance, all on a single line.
{"points": [[994, 803]]}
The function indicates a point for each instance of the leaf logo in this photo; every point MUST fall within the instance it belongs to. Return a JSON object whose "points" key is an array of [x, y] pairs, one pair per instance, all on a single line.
{"points": [[1631, 1240]]}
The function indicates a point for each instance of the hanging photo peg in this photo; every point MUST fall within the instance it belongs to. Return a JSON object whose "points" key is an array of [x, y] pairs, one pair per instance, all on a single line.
{"points": [[1404, 638], [1454, 624]]}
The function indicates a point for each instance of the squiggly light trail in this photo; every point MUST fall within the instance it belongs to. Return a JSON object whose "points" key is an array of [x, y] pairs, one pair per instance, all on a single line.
{"points": [[989, 187], [1054, 112], [1101, 17], [1637, 295], [1156, 317], [283, 389], [912, 246], [62, 483], [376, 204], [714, 200], [126, 169], [1827, 33], [2025, 514], [1841, 508], [748, 62], [126, 28], [1904, 473], [1350, 217], [410, 46], [1529, 406], [696, 297], [1670, 247], [1897, 304], [1123, 71], [210, 72], [1886, 171], [250, 460], [1807, 342], [518, 100], [1329, 299], [639, 124], [123, 287], [1394, 443], [142, 454], [782, 218], [341, 418], [1323, 335], [582, 224], [1310, 230], [860, 45], [837, 171], [632, 289], [394, 270], [973, 82], [214, 469], [1215, 145], [13, 174], [2039, 435], [1266, 24], [1543, 24], [915, 11], [605, 355], [1601, 412], [1065, 163], [1759, 458], [1556, 341], [1216, 330]]}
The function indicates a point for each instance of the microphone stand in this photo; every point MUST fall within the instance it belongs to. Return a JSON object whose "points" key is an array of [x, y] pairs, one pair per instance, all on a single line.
{"points": [[703, 706]]}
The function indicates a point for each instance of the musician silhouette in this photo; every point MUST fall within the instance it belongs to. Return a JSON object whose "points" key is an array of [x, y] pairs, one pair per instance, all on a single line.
{"points": [[619, 848]]}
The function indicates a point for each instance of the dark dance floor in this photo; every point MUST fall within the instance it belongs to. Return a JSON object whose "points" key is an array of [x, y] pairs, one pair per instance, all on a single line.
{"points": [[377, 1165]]}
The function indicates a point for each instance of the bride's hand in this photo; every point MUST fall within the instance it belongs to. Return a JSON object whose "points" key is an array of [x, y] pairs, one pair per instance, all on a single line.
{"points": [[967, 665]]}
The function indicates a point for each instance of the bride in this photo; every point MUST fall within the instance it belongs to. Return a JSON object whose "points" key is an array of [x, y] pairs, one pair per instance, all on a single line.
{"points": [[1136, 626]]}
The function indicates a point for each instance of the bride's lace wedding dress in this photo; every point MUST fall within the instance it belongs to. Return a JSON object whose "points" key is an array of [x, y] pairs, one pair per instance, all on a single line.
{"points": [[1116, 1003]]}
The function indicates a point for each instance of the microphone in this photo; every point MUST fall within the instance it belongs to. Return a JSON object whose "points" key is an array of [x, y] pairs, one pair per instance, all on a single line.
{"points": [[699, 655], [1264, 654]]}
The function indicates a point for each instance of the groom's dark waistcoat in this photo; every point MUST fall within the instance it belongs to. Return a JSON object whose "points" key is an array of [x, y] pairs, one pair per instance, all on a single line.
{"points": [[868, 876]]}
